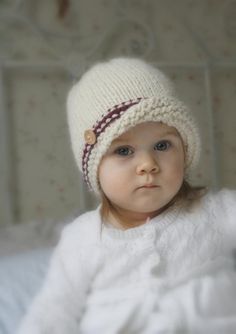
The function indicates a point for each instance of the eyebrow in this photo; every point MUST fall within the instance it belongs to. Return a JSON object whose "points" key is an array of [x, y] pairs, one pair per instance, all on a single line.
{"points": [[170, 133], [127, 139], [123, 140]]}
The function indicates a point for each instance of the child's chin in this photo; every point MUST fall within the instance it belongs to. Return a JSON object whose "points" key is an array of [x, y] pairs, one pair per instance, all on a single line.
{"points": [[148, 206], [148, 210]]}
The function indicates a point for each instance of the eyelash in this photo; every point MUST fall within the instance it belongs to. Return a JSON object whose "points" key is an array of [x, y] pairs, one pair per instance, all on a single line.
{"points": [[119, 150], [167, 144], [128, 150]]}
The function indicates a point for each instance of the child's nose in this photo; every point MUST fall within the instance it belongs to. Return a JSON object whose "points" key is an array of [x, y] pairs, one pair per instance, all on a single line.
{"points": [[147, 164]]}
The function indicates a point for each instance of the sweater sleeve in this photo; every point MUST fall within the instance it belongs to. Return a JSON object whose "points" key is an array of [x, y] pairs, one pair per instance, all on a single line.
{"points": [[59, 306]]}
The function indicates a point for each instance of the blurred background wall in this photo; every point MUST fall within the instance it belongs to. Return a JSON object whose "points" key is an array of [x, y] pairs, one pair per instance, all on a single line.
{"points": [[46, 45]]}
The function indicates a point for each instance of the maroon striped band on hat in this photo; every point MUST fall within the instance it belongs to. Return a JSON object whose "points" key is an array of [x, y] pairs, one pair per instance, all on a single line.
{"points": [[112, 114]]}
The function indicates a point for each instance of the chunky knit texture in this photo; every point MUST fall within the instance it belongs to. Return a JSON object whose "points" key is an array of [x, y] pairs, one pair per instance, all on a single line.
{"points": [[174, 274], [116, 95]]}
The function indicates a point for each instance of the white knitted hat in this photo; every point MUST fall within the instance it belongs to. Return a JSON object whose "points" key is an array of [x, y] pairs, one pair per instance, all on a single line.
{"points": [[116, 95]]}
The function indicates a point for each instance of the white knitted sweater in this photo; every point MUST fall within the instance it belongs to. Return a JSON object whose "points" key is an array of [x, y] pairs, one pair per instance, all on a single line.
{"points": [[174, 274]]}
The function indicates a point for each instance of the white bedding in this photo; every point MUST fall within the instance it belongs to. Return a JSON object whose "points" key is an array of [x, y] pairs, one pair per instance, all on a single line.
{"points": [[25, 251], [20, 278]]}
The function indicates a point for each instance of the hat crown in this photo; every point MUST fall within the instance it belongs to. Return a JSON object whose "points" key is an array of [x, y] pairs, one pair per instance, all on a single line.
{"points": [[119, 80]]}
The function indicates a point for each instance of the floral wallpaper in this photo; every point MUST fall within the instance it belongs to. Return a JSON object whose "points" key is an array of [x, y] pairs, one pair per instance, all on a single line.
{"points": [[46, 45]]}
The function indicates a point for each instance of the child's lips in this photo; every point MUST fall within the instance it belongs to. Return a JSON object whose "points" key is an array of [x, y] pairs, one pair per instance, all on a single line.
{"points": [[149, 186]]}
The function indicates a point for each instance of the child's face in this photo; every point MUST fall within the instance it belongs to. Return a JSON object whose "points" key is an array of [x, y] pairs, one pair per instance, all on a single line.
{"points": [[143, 168]]}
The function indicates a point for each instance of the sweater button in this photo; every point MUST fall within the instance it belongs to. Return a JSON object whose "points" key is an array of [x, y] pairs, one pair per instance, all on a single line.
{"points": [[155, 258], [155, 264]]}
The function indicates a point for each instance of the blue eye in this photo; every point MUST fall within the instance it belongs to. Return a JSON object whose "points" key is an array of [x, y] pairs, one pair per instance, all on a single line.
{"points": [[162, 145], [124, 151]]}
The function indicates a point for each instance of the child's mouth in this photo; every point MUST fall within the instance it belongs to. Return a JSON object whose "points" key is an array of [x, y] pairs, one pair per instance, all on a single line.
{"points": [[149, 186]]}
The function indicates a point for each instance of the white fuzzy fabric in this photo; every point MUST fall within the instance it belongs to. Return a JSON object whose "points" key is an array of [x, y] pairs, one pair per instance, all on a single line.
{"points": [[174, 274]]}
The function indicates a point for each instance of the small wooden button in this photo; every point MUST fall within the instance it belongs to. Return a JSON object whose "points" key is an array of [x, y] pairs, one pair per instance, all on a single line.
{"points": [[90, 137]]}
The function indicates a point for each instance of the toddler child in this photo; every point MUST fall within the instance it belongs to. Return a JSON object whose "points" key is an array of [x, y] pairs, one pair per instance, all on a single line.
{"points": [[157, 255]]}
